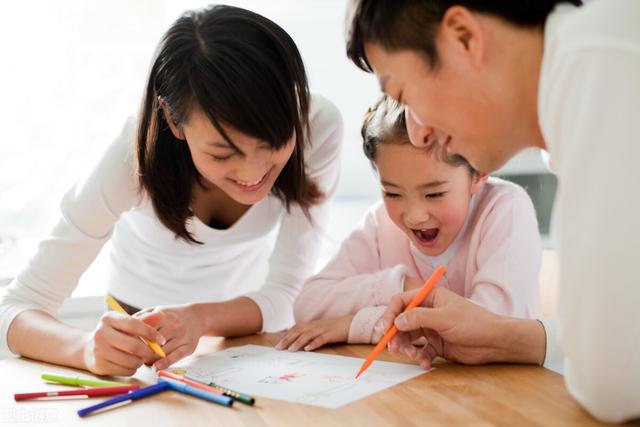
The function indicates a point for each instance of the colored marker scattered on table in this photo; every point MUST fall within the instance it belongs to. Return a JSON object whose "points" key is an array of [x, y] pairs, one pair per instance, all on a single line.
{"points": [[236, 395], [185, 388], [88, 392], [128, 397], [77, 381]]}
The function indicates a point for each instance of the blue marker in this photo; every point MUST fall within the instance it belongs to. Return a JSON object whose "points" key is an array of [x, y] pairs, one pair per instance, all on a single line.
{"points": [[185, 388], [131, 396]]}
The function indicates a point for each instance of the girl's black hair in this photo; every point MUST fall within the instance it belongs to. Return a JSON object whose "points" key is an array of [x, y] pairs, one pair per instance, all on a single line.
{"points": [[243, 71], [385, 123]]}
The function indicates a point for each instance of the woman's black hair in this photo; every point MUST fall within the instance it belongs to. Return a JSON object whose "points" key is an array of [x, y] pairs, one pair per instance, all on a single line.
{"points": [[412, 24], [243, 71]]}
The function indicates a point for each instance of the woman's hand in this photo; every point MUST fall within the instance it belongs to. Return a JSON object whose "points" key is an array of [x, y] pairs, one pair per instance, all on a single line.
{"points": [[114, 347], [313, 335], [182, 328]]}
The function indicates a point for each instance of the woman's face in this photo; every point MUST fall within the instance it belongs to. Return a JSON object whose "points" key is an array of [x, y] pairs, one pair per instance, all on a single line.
{"points": [[246, 170]]}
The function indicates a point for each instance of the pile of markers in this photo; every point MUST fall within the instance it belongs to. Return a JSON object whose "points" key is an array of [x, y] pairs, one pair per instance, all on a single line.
{"points": [[122, 392]]}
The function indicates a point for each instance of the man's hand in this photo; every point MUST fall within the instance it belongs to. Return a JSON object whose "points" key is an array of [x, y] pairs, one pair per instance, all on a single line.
{"points": [[462, 331]]}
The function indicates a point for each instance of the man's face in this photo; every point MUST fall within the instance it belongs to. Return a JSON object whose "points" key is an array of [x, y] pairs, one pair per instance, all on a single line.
{"points": [[468, 101]]}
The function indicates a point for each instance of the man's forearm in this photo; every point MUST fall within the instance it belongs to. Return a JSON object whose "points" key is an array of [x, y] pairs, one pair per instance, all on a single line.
{"points": [[519, 341]]}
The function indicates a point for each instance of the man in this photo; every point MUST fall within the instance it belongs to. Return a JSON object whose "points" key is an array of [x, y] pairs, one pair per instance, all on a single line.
{"points": [[487, 79]]}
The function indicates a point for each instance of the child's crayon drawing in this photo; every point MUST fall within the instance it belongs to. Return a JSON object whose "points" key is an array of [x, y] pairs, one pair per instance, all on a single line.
{"points": [[285, 378], [303, 377]]}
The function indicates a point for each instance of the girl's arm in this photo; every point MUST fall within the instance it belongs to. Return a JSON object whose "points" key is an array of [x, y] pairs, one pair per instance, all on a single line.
{"points": [[345, 301], [509, 256], [364, 327], [354, 279]]}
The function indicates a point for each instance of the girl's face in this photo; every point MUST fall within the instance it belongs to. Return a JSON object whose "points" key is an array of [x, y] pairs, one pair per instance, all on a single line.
{"points": [[426, 198], [246, 172]]}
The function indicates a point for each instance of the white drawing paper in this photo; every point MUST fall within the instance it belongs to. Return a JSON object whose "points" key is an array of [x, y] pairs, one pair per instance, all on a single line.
{"points": [[303, 377]]}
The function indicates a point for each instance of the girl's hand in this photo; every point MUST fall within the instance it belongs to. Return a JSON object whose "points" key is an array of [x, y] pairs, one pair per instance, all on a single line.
{"points": [[313, 335], [114, 347], [181, 327]]}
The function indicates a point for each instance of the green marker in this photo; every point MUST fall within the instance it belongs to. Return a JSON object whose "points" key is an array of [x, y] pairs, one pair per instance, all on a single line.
{"points": [[235, 395], [77, 381]]}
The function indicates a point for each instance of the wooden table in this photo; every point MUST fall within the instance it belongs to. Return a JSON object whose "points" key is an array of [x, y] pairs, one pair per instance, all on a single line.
{"points": [[500, 395]]}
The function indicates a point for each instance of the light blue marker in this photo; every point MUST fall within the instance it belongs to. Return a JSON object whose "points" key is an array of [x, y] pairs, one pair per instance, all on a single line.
{"points": [[185, 388]]}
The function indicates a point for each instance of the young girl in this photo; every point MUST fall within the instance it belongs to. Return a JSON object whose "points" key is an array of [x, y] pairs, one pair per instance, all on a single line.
{"points": [[437, 210], [228, 146]]}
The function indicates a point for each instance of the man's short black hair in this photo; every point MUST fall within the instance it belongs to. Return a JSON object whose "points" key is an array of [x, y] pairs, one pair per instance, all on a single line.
{"points": [[412, 24]]}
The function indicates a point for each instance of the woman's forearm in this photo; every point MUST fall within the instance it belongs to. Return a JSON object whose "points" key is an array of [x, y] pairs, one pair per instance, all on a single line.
{"points": [[237, 317], [38, 335]]}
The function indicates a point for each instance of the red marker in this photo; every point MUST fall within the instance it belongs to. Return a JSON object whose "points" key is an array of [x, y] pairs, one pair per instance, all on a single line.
{"points": [[89, 392]]}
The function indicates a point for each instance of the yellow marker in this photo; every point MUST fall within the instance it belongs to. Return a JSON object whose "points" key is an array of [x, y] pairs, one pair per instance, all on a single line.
{"points": [[113, 304]]}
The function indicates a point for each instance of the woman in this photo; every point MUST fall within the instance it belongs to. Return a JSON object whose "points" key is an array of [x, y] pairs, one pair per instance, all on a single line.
{"points": [[229, 146]]}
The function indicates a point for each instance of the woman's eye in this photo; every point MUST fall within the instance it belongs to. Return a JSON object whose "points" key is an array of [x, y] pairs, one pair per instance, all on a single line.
{"points": [[436, 195], [221, 159], [390, 195]]}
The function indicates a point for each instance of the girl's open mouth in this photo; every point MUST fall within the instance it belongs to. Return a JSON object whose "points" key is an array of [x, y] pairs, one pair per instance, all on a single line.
{"points": [[426, 236]]}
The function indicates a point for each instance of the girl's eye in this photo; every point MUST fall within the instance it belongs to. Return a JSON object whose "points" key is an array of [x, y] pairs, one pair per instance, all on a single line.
{"points": [[390, 195], [436, 195], [221, 159]]}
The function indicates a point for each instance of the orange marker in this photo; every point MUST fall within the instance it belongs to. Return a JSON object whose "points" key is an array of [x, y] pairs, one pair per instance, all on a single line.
{"points": [[417, 299]]}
